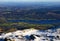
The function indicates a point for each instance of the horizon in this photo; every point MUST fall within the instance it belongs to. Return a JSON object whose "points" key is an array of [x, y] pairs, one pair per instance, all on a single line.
{"points": [[29, 0]]}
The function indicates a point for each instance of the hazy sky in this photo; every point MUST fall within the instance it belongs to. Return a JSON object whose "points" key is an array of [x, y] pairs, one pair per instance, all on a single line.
{"points": [[29, 0]]}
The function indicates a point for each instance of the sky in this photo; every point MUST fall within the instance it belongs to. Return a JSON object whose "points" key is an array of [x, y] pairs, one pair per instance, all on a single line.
{"points": [[29, 0]]}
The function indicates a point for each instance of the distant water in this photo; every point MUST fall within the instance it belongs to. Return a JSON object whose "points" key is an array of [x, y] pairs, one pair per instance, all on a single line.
{"points": [[36, 21], [39, 22]]}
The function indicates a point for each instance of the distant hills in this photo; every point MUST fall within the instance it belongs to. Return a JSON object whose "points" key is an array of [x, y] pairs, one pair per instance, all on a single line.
{"points": [[30, 12], [27, 13]]}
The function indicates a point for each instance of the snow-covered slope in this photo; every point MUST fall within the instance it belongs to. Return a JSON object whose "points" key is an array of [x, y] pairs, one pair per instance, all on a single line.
{"points": [[32, 35]]}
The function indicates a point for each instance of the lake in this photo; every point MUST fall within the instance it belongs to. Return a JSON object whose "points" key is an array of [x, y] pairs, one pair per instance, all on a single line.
{"points": [[37, 21]]}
